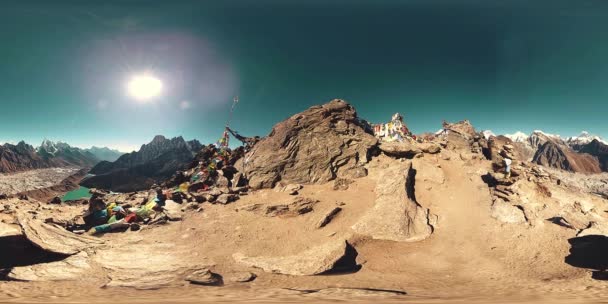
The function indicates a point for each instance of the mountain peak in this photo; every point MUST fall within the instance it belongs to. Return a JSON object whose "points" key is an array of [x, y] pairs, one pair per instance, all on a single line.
{"points": [[518, 136]]}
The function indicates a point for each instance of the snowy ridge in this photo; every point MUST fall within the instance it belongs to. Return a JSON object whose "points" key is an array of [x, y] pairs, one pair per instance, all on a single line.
{"points": [[584, 138], [517, 136]]}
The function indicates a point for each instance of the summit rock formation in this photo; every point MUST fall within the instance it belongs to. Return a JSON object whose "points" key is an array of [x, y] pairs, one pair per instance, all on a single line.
{"points": [[314, 146]]}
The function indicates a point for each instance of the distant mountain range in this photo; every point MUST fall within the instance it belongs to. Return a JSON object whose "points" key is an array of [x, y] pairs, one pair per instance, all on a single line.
{"points": [[585, 153], [50, 154], [153, 163]]}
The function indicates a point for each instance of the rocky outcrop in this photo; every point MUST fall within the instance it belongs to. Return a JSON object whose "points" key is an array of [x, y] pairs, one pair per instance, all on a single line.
{"points": [[150, 266], [53, 238], [396, 216], [316, 260], [552, 154], [314, 146], [70, 269], [597, 149], [153, 163], [463, 128]]}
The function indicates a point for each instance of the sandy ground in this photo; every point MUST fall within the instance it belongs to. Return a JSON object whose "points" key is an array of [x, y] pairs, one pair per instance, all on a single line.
{"points": [[470, 258], [11, 183]]}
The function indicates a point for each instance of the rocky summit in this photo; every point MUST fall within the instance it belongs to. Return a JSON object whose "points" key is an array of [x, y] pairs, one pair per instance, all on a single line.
{"points": [[315, 146], [323, 206]]}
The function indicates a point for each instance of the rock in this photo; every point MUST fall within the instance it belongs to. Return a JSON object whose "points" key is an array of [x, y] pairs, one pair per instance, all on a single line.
{"points": [[399, 149], [428, 172], [328, 217], [342, 183], [316, 260], [225, 199], [55, 200], [199, 197], [205, 277], [53, 238], [395, 215], [23, 197], [291, 189], [241, 277], [190, 206], [356, 172], [298, 206], [222, 181], [7, 230], [238, 180], [594, 228], [173, 210], [209, 197], [463, 128], [430, 148], [314, 146], [3, 196], [146, 266], [73, 268], [216, 192], [507, 213]]}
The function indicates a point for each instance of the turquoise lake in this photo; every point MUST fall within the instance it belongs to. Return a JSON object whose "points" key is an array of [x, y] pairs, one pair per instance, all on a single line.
{"points": [[82, 192]]}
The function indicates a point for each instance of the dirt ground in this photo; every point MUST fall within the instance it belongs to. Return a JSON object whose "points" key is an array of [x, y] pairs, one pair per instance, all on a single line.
{"points": [[471, 257]]}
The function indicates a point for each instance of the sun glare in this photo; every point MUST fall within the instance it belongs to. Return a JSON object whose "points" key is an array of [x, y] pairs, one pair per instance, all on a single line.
{"points": [[144, 87]]}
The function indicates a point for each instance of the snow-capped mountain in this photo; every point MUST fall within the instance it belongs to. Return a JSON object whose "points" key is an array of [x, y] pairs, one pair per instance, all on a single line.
{"points": [[487, 134], [517, 136], [583, 139]]}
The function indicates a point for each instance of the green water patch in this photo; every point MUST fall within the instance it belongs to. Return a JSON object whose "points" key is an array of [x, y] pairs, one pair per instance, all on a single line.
{"points": [[82, 192]]}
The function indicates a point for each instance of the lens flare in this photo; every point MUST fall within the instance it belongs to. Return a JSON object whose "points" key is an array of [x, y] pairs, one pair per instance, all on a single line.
{"points": [[144, 87]]}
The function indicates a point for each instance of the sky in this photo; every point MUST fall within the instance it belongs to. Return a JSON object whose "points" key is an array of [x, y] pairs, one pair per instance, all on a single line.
{"points": [[505, 65]]}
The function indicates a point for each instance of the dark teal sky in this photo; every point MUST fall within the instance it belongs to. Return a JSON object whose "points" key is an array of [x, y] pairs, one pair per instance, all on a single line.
{"points": [[505, 65]]}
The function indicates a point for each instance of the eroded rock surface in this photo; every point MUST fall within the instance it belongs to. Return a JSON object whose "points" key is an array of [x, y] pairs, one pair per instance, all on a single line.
{"points": [[314, 261], [53, 238], [71, 269], [395, 215], [315, 146]]}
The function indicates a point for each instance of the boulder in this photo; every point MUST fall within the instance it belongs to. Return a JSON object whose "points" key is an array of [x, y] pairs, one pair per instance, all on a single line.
{"points": [[399, 149], [73, 268], [314, 146], [55, 200], [225, 199], [395, 215], [291, 189], [205, 277], [241, 277], [173, 210], [430, 148], [315, 260]]}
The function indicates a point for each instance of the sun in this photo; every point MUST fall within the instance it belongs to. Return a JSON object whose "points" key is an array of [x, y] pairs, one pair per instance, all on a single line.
{"points": [[144, 87]]}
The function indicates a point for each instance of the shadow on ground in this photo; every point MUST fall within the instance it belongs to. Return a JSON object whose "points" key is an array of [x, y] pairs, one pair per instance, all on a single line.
{"points": [[590, 252]]}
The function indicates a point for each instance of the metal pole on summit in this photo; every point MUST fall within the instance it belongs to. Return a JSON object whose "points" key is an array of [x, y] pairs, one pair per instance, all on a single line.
{"points": [[235, 100], [225, 136]]}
